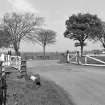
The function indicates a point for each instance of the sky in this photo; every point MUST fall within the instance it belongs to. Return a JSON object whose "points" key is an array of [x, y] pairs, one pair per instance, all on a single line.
{"points": [[55, 13]]}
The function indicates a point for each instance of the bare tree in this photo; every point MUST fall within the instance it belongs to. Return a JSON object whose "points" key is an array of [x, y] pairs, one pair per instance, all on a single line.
{"points": [[43, 37], [100, 37], [19, 26]]}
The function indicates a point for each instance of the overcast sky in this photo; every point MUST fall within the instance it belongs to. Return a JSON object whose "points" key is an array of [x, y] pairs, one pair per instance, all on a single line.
{"points": [[55, 13]]}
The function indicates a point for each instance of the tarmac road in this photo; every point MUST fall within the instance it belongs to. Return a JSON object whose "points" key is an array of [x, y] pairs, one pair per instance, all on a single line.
{"points": [[85, 84]]}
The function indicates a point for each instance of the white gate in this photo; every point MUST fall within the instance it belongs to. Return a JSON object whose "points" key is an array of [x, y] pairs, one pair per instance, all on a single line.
{"points": [[93, 59]]}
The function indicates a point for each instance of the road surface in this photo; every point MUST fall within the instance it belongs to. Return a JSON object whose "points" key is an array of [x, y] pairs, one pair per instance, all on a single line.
{"points": [[85, 84]]}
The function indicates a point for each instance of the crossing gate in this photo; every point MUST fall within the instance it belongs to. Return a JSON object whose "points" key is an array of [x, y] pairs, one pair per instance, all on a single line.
{"points": [[93, 59]]}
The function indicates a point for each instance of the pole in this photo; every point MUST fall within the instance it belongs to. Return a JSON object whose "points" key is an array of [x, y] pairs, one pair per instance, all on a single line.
{"points": [[3, 85], [4, 88], [1, 92]]}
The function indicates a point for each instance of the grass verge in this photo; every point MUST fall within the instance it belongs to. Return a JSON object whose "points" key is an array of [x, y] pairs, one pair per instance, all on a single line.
{"points": [[21, 92]]}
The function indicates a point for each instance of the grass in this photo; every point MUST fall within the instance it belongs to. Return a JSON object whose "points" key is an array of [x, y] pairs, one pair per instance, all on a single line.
{"points": [[21, 92]]}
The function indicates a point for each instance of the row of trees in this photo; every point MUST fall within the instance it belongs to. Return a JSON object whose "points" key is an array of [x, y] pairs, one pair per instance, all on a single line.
{"points": [[82, 27], [17, 27]]}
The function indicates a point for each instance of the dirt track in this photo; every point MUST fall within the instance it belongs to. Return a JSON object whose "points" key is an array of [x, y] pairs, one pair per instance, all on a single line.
{"points": [[85, 84]]}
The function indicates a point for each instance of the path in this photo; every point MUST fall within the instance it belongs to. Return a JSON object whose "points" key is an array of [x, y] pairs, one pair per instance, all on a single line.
{"points": [[86, 84]]}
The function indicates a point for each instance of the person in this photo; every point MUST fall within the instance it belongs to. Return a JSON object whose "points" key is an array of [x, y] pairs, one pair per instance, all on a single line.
{"points": [[68, 56]]}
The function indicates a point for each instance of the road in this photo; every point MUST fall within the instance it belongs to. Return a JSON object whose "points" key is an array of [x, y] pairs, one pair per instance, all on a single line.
{"points": [[85, 84]]}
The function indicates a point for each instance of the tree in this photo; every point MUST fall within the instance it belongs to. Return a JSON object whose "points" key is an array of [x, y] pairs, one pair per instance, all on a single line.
{"points": [[5, 40], [100, 37], [79, 27], [19, 26], [43, 37]]}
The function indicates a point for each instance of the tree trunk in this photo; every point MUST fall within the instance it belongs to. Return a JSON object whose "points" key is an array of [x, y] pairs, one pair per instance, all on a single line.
{"points": [[104, 45], [44, 51], [16, 48], [17, 52]]}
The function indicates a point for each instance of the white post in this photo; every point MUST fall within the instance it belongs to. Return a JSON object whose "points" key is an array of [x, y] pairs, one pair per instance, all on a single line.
{"points": [[85, 59], [77, 57], [8, 60], [68, 57], [19, 64]]}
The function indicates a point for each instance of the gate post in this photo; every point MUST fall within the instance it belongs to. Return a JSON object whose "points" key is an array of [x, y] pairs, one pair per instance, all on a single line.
{"points": [[85, 59], [77, 57]]}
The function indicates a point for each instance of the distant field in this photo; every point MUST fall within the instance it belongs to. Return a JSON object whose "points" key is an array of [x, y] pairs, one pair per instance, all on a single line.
{"points": [[39, 56]]}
